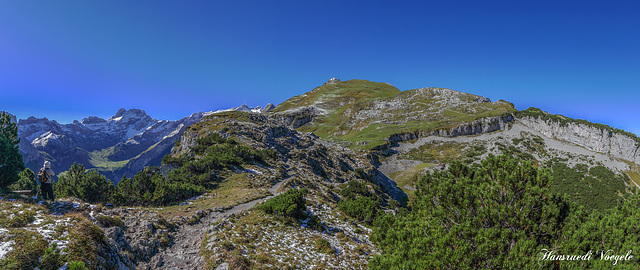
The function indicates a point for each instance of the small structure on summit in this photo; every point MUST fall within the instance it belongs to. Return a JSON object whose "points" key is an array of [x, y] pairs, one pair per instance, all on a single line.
{"points": [[332, 81]]}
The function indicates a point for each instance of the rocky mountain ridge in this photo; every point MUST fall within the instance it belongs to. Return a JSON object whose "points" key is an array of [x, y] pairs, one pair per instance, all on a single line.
{"points": [[303, 155], [301, 160], [378, 117]]}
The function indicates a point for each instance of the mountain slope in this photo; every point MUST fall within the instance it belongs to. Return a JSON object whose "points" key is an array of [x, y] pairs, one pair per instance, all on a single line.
{"points": [[364, 114], [416, 131], [301, 160]]}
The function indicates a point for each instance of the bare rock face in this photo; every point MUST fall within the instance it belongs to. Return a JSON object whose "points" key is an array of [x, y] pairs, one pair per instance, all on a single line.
{"points": [[269, 107], [590, 137], [477, 127]]}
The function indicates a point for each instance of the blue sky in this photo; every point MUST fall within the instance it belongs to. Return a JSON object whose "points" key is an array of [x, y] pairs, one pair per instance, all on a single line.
{"points": [[67, 60]]}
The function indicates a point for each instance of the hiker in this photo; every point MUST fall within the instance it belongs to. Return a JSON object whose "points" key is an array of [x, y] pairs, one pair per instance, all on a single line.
{"points": [[46, 187]]}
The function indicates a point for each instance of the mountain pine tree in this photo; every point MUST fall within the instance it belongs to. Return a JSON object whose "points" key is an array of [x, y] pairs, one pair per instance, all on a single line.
{"points": [[498, 215], [90, 186], [26, 181], [11, 163]]}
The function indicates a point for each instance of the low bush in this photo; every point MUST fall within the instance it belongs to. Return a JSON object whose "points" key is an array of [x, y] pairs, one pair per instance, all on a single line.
{"points": [[85, 239], [52, 259], [109, 221], [290, 204], [76, 265], [363, 208], [89, 186], [26, 181], [17, 218], [322, 245], [353, 189], [359, 202], [596, 188]]}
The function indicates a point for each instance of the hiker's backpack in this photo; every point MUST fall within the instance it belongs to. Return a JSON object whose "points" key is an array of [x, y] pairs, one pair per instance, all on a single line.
{"points": [[42, 176]]}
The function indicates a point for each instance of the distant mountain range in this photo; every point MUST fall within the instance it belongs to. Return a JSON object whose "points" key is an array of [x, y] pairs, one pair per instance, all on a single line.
{"points": [[118, 146]]}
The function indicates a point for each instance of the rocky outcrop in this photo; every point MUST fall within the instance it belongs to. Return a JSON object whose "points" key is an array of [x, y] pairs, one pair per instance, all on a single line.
{"points": [[269, 107], [297, 118], [590, 137], [477, 127], [301, 155]]}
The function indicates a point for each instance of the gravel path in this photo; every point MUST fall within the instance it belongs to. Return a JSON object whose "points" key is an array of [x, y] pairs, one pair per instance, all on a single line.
{"points": [[185, 252]]}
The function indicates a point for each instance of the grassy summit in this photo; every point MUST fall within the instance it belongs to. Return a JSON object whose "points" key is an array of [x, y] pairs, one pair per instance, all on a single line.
{"points": [[341, 94], [364, 114]]}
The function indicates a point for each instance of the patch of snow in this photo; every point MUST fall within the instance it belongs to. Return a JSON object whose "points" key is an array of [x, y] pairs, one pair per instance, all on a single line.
{"points": [[35, 135], [133, 131], [39, 220], [96, 126], [49, 234], [43, 139], [5, 247], [173, 133], [243, 108], [253, 171], [188, 201]]}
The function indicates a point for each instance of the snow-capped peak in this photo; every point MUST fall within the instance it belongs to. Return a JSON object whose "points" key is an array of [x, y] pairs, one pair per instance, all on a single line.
{"points": [[125, 115], [244, 108]]}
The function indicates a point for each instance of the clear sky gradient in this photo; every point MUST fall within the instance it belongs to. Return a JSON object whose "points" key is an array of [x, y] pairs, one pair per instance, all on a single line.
{"points": [[67, 60]]}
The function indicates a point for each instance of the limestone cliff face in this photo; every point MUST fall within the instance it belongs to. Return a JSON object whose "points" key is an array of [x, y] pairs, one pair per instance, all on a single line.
{"points": [[477, 127], [297, 118], [187, 140], [590, 137]]}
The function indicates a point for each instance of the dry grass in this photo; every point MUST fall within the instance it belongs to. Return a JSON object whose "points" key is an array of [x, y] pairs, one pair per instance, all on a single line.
{"points": [[268, 243]]}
